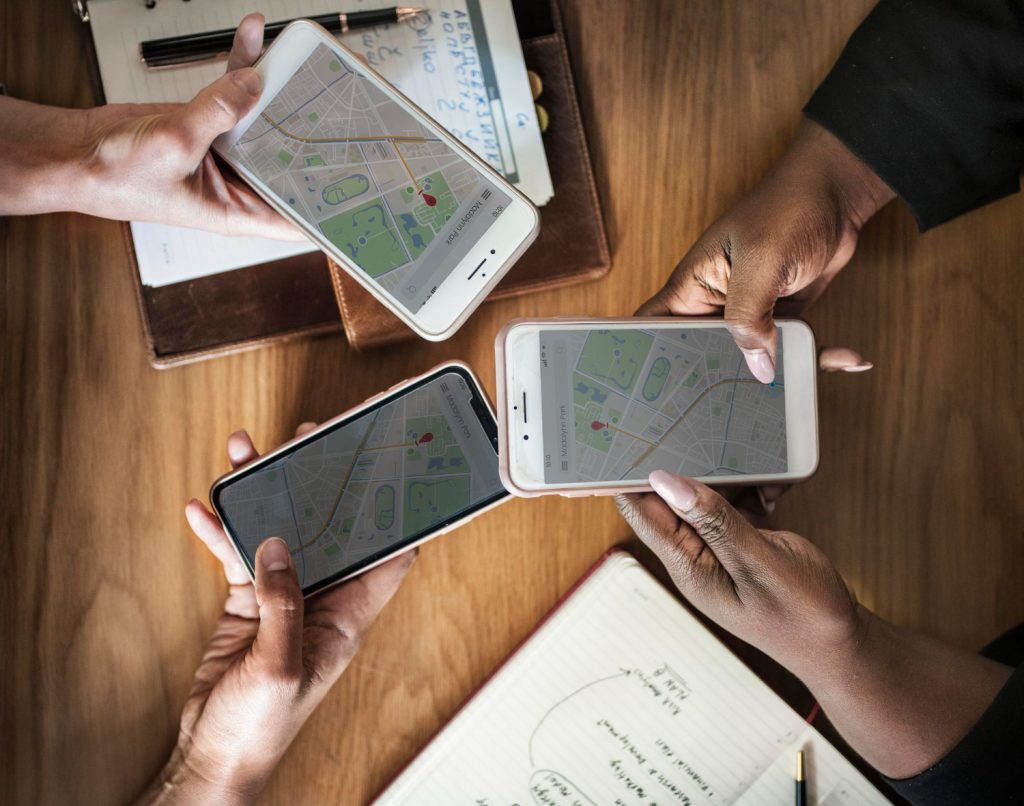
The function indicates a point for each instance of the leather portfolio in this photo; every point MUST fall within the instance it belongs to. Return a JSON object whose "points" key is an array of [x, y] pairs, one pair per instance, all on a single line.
{"points": [[298, 296], [572, 246]]}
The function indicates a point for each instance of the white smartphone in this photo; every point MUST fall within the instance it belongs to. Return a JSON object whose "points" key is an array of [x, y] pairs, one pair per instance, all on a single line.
{"points": [[591, 407], [418, 219], [407, 465]]}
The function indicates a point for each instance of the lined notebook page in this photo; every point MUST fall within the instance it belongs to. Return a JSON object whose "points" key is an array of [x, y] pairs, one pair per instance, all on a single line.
{"points": [[438, 68], [622, 697]]}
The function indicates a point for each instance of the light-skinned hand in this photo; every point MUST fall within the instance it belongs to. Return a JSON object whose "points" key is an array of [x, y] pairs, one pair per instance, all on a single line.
{"points": [[787, 238], [153, 163], [141, 162], [272, 658]]}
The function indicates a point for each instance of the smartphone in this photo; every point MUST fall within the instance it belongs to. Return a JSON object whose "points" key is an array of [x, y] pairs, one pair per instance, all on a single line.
{"points": [[592, 406], [414, 216], [407, 465]]}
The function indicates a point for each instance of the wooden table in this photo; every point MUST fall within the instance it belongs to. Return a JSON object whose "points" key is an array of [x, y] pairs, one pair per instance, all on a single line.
{"points": [[108, 599]]}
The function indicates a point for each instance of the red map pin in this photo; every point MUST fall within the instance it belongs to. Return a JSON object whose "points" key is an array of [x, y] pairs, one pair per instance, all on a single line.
{"points": [[427, 437], [428, 200], [597, 425]]}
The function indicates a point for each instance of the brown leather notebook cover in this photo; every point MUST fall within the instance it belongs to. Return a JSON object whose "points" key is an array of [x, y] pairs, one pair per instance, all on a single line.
{"points": [[572, 246], [235, 310], [257, 305]]}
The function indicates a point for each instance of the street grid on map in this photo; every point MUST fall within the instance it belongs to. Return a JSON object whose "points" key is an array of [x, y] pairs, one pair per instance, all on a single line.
{"points": [[387, 476], [340, 153], [678, 401]]}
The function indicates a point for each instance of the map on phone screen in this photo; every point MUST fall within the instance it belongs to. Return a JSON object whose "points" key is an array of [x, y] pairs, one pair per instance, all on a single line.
{"points": [[386, 191], [620, 403], [387, 477]]}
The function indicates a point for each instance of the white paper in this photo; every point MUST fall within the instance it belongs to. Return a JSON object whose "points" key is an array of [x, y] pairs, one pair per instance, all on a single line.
{"points": [[438, 63], [623, 697]]}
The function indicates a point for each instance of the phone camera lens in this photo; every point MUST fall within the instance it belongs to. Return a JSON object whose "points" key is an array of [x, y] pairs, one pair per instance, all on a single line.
{"points": [[526, 436], [492, 251]]}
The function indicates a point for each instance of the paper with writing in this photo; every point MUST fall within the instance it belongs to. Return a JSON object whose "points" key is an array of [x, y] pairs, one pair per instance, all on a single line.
{"points": [[462, 63], [623, 697]]}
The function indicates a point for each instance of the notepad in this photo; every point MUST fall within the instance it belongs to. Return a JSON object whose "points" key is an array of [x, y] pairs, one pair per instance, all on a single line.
{"points": [[463, 64], [622, 697]]}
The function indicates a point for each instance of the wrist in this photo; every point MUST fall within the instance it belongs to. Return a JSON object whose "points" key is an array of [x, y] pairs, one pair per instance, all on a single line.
{"points": [[46, 148], [860, 192], [824, 662], [187, 779]]}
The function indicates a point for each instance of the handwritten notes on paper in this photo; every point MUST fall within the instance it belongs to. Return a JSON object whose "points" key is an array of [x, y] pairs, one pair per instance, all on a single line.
{"points": [[624, 698], [462, 62]]}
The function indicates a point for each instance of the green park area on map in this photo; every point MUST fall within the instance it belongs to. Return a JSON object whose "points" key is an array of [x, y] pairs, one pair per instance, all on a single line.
{"points": [[430, 501], [589, 399], [367, 235], [370, 235], [615, 356]]}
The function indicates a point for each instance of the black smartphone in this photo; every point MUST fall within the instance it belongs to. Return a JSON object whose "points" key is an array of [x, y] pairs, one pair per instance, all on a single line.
{"points": [[403, 467]]}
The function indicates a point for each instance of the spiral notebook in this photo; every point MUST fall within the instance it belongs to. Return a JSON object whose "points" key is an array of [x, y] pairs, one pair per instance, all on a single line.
{"points": [[622, 697]]}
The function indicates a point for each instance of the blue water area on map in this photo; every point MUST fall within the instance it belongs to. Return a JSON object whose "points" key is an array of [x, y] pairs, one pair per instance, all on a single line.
{"points": [[595, 394]]}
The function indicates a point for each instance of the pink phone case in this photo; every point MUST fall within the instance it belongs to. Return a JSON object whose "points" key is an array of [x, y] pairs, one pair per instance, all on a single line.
{"points": [[504, 451], [367, 404]]}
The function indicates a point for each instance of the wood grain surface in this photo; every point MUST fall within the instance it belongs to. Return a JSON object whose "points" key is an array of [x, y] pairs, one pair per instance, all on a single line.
{"points": [[107, 599]]}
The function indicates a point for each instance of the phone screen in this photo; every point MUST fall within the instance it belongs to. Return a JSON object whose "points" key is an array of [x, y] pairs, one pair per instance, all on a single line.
{"points": [[389, 476], [620, 403], [380, 186]]}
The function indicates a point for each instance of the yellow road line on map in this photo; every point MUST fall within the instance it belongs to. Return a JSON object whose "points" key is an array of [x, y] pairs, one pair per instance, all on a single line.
{"points": [[408, 170], [341, 490], [390, 137], [684, 415], [629, 433]]}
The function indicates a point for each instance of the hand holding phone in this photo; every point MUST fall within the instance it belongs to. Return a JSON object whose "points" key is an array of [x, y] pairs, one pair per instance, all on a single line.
{"points": [[592, 406], [405, 466], [414, 216], [272, 659]]}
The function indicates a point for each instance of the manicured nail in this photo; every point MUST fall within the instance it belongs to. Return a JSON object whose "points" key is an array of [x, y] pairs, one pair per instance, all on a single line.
{"points": [[863, 366], [274, 555], [248, 78], [760, 364], [766, 505], [676, 491]]}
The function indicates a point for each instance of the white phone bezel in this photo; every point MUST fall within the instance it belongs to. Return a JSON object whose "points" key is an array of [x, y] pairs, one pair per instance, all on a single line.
{"points": [[469, 281], [524, 459]]}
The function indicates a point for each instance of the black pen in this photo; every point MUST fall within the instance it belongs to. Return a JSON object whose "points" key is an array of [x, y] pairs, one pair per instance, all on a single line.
{"points": [[801, 783], [174, 50]]}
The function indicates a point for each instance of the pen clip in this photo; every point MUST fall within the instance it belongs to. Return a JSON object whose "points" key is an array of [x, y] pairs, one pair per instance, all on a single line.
{"points": [[80, 9]]}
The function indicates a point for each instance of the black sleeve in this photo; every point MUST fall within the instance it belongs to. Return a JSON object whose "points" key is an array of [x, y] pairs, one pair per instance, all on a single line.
{"points": [[986, 766], [930, 94]]}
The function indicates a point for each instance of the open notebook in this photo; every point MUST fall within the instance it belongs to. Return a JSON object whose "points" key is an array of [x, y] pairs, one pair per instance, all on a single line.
{"points": [[622, 697], [463, 65]]}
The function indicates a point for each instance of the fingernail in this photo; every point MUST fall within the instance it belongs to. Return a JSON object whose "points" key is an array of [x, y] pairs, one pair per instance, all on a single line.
{"points": [[274, 555], [760, 364], [676, 491], [766, 505], [248, 78], [863, 366]]}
